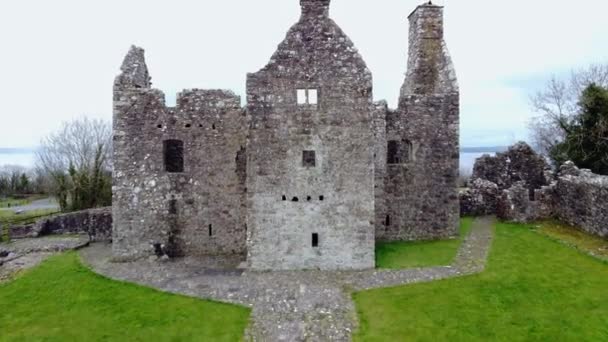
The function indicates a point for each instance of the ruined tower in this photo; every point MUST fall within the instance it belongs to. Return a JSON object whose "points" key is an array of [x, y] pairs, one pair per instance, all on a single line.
{"points": [[418, 196], [179, 172], [310, 178]]}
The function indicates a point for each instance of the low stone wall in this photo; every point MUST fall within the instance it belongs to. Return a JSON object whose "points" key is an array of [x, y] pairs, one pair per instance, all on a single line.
{"points": [[479, 199], [577, 197], [96, 223], [21, 231], [582, 201]]}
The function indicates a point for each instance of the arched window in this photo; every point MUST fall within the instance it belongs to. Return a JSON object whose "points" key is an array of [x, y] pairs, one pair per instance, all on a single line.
{"points": [[173, 151]]}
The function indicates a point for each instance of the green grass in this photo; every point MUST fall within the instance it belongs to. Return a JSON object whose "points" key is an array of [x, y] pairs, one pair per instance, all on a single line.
{"points": [[12, 202], [61, 300], [20, 200], [576, 238], [534, 288], [398, 255], [7, 215]]}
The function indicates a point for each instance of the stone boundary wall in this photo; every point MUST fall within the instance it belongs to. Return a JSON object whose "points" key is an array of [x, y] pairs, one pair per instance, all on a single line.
{"points": [[518, 186], [96, 223], [582, 201]]}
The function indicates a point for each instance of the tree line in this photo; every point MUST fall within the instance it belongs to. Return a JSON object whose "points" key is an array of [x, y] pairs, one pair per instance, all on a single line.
{"points": [[77, 164], [17, 180], [572, 119]]}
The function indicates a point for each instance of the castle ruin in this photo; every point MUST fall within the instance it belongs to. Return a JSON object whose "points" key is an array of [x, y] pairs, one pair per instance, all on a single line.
{"points": [[309, 174]]}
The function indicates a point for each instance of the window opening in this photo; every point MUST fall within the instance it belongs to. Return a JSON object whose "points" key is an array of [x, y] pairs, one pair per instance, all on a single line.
{"points": [[173, 151], [302, 96], [173, 207], [309, 159], [315, 239], [307, 96]]}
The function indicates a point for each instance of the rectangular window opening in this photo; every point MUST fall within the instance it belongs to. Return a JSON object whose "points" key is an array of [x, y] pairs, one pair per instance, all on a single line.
{"points": [[309, 159], [312, 96], [301, 96], [210, 230], [173, 153], [315, 239], [307, 97], [173, 207]]}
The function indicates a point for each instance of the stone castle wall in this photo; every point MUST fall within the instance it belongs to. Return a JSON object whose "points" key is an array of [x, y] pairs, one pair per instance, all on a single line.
{"points": [[199, 210], [310, 174], [290, 202], [581, 199], [96, 223], [420, 198], [519, 186]]}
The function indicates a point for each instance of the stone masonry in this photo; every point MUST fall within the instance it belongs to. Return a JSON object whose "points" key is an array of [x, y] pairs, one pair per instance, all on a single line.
{"points": [[309, 174], [418, 199]]}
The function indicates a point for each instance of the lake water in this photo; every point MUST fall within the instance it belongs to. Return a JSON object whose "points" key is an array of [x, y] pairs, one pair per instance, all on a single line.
{"points": [[21, 159], [467, 160]]}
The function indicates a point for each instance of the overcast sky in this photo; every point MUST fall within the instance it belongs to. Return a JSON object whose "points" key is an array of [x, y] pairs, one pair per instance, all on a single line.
{"points": [[59, 58]]}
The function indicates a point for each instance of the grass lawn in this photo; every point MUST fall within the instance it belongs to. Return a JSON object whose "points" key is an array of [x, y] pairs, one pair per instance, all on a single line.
{"points": [[534, 288], [12, 202], [397, 255], [576, 238], [8, 215], [61, 300]]}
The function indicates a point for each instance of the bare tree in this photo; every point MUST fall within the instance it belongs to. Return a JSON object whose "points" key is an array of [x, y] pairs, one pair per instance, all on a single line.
{"points": [[79, 151], [557, 103]]}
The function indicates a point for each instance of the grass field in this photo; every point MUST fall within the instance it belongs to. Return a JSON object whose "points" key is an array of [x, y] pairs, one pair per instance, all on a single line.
{"points": [[576, 238], [9, 202], [398, 255], [61, 300], [7, 215], [534, 288]]}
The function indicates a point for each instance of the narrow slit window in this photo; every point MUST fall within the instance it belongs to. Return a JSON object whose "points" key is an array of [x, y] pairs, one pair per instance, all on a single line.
{"points": [[532, 195], [392, 152], [284, 198], [173, 151], [321, 198], [387, 222], [315, 239], [210, 230], [173, 207]]}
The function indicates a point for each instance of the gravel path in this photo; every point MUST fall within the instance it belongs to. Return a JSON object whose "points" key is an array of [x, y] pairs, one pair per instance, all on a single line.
{"points": [[287, 306], [26, 253]]}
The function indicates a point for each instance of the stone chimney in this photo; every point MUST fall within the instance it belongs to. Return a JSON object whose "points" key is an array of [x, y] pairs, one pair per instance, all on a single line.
{"points": [[315, 7], [430, 69]]}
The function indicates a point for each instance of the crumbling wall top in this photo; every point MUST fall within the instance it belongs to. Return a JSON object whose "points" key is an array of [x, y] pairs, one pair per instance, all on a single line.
{"points": [[134, 70]]}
